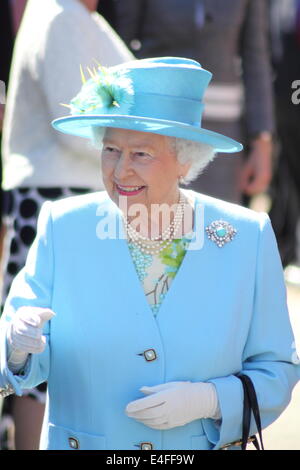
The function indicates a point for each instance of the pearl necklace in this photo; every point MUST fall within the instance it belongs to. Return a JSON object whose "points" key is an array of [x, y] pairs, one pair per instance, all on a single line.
{"points": [[153, 246]]}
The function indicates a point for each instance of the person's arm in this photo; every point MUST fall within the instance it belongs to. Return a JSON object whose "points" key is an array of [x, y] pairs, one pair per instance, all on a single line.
{"points": [[256, 69], [32, 287], [259, 109], [269, 357], [257, 169]]}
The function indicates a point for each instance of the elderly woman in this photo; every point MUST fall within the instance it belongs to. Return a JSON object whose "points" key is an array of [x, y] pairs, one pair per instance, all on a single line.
{"points": [[141, 304]]}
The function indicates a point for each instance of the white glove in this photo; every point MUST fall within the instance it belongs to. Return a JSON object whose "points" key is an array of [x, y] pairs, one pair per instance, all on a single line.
{"points": [[24, 335], [175, 404]]}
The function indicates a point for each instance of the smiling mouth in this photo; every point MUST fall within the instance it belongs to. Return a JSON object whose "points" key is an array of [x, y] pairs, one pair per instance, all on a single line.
{"points": [[129, 190]]}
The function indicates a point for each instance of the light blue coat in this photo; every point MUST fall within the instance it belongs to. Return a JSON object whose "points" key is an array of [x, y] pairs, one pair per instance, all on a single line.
{"points": [[224, 313]]}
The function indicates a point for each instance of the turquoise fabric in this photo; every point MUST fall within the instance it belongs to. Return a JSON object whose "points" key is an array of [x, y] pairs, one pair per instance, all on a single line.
{"points": [[225, 312]]}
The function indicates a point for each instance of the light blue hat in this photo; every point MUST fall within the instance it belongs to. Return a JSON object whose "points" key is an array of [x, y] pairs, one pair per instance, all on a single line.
{"points": [[162, 95]]}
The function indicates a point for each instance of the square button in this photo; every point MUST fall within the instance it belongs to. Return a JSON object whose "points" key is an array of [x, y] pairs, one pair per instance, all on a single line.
{"points": [[74, 443], [150, 355], [146, 446]]}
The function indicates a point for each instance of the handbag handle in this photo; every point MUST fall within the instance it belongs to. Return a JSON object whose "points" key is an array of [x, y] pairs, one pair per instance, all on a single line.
{"points": [[250, 405]]}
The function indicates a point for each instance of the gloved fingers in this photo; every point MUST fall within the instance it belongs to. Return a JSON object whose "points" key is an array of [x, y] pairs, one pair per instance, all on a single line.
{"points": [[143, 403], [159, 426], [156, 412], [26, 318], [161, 387], [24, 329], [164, 422], [30, 349], [171, 422], [154, 423], [44, 315], [27, 315], [35, 316], [29, 345]]}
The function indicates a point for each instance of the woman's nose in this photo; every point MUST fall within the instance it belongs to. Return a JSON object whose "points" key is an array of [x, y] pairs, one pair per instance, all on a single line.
{"points": [[123, 166]]}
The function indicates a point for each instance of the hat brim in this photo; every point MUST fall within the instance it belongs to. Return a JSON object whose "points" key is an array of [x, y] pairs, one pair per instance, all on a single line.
{"points": [[81, 126]]}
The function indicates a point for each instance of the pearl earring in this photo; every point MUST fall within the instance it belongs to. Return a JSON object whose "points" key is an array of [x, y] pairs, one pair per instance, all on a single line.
{"points": [[181, 180]]}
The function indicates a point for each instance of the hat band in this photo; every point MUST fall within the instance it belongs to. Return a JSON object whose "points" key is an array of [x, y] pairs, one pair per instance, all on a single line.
{"points": [[170, 108]]}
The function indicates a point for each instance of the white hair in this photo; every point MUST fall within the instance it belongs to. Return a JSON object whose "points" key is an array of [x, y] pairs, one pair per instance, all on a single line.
{"points": [[198, 154]]}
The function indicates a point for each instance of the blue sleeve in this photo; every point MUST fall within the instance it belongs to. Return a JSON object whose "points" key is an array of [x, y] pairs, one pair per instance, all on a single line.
{"points": [[31, 287], [269, 356]]}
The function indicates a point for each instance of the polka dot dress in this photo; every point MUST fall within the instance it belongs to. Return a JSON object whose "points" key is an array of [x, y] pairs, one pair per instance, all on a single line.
{"points": [[21, 209]]}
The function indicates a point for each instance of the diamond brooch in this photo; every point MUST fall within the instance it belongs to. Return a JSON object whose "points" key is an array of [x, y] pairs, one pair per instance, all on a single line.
{"points": [[220, 232]]}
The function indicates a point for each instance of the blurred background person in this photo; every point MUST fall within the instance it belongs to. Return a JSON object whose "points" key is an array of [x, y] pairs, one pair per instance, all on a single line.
{"points": [[56, 37], [230, 38], [10, 16], [107, 9], [285, 187]]}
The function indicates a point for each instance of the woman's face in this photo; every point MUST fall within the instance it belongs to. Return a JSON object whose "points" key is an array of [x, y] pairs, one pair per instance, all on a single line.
{"points": [[141, 167]]}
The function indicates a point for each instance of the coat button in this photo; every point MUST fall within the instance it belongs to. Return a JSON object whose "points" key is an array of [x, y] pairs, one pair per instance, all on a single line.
{"points": [[150, 355], [146, 446], [73, 443]]}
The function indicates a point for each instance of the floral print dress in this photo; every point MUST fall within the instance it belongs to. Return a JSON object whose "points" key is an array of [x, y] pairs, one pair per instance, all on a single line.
{"points": [[156, 272]]}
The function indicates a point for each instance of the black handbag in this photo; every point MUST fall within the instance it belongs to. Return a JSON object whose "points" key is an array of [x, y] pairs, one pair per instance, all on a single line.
{"points": [[250, 406]]}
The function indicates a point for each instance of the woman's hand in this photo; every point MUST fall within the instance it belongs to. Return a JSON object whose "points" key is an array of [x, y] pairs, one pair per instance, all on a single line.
{"points": [[24, 335], [175, 404], [25, 331], [256, 173]]}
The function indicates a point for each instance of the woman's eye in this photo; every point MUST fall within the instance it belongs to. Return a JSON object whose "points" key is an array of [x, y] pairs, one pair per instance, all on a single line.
{"points": [[142, 155], [111, 150]]}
